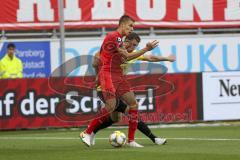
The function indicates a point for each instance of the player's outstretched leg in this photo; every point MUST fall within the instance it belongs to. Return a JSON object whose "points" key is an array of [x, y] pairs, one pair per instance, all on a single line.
{"points": [[87, 136], [146, 131], [122, 107], [142, 127], [111, 119], [106, 122]]}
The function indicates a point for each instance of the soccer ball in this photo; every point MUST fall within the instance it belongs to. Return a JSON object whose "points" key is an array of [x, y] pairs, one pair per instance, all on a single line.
{"points": [[117, 139]]}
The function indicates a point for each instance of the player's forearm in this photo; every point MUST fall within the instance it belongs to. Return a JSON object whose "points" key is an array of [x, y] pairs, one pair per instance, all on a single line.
{"points": [[136, 54], [159, 58], [153, 58]]}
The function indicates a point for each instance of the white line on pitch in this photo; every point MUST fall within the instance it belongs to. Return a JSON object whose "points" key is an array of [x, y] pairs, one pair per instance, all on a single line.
{"points": [[72, 138]]}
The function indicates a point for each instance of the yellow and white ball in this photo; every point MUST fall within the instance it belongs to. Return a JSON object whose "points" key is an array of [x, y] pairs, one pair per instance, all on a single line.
{"points": [[117, 139]]}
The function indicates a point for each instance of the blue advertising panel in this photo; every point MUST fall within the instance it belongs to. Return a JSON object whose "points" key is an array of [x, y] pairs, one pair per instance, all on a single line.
{"points": [[35, 57]]}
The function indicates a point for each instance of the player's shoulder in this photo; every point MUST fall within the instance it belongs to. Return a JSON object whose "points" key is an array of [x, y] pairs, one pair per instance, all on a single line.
{"points": [[113, 34], [114, 37]]}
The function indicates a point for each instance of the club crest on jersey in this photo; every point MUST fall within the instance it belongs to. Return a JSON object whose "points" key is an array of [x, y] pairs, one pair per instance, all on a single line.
{"points": [[119, 40]]}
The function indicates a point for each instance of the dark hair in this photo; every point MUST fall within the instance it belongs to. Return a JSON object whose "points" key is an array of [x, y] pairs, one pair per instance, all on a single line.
{"points": [[11, 45], [132, 36], [124, 19]]}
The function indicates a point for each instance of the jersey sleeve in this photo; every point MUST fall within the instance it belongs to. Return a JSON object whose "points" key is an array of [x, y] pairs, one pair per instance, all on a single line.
{"points": [[140, 57]]}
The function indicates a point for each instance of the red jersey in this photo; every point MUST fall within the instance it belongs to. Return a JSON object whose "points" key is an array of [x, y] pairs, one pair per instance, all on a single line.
{"points": [[110, 58]]}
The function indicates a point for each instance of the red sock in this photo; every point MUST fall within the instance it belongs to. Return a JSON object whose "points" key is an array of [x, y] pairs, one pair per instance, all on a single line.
{"points": [[133, 121], [97, 121]]}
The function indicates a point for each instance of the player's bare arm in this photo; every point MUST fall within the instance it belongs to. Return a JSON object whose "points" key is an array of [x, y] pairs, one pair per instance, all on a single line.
{"points": [[154, 58], [149, 46]]}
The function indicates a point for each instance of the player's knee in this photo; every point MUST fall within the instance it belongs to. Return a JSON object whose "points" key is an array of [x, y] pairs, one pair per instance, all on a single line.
{"points": [[110, 106]]}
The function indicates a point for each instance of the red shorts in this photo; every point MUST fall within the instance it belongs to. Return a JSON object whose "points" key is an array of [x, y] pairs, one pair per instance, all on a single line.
{"points": [[113, 85]]}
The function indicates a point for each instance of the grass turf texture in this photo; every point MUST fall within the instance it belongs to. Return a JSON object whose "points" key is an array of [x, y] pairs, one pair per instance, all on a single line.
{"points": [[65, 145]]}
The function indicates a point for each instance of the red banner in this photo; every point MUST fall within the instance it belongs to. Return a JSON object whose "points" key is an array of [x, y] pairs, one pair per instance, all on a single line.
{"points": [[43, 14], [35, 103]]}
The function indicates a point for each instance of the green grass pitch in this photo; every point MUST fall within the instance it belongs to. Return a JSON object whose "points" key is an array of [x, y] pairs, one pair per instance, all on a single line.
{"points": [[198, 143]]}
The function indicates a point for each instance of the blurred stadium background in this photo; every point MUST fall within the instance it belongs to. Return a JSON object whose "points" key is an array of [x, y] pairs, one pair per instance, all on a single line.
{"points": [[201, 86]]}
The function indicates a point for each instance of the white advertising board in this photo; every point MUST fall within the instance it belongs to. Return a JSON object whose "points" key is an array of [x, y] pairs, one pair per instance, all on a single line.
{"points": [[221, 95]]}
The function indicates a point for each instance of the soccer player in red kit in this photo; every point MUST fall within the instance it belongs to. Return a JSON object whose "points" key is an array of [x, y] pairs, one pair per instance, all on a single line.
{"points": [[113, 82]]}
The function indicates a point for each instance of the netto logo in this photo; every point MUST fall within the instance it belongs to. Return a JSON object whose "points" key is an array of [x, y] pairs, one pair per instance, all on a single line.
{"points": [[229, 89]]}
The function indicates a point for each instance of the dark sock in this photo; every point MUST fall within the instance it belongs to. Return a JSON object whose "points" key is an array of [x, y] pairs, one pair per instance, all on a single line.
{"points": [[145, 130], [121, 106], [106, 123]]}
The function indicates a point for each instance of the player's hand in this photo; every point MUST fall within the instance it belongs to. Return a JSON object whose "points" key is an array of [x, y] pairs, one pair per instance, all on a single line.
{"points": [[171, 58], [151, 45]]}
